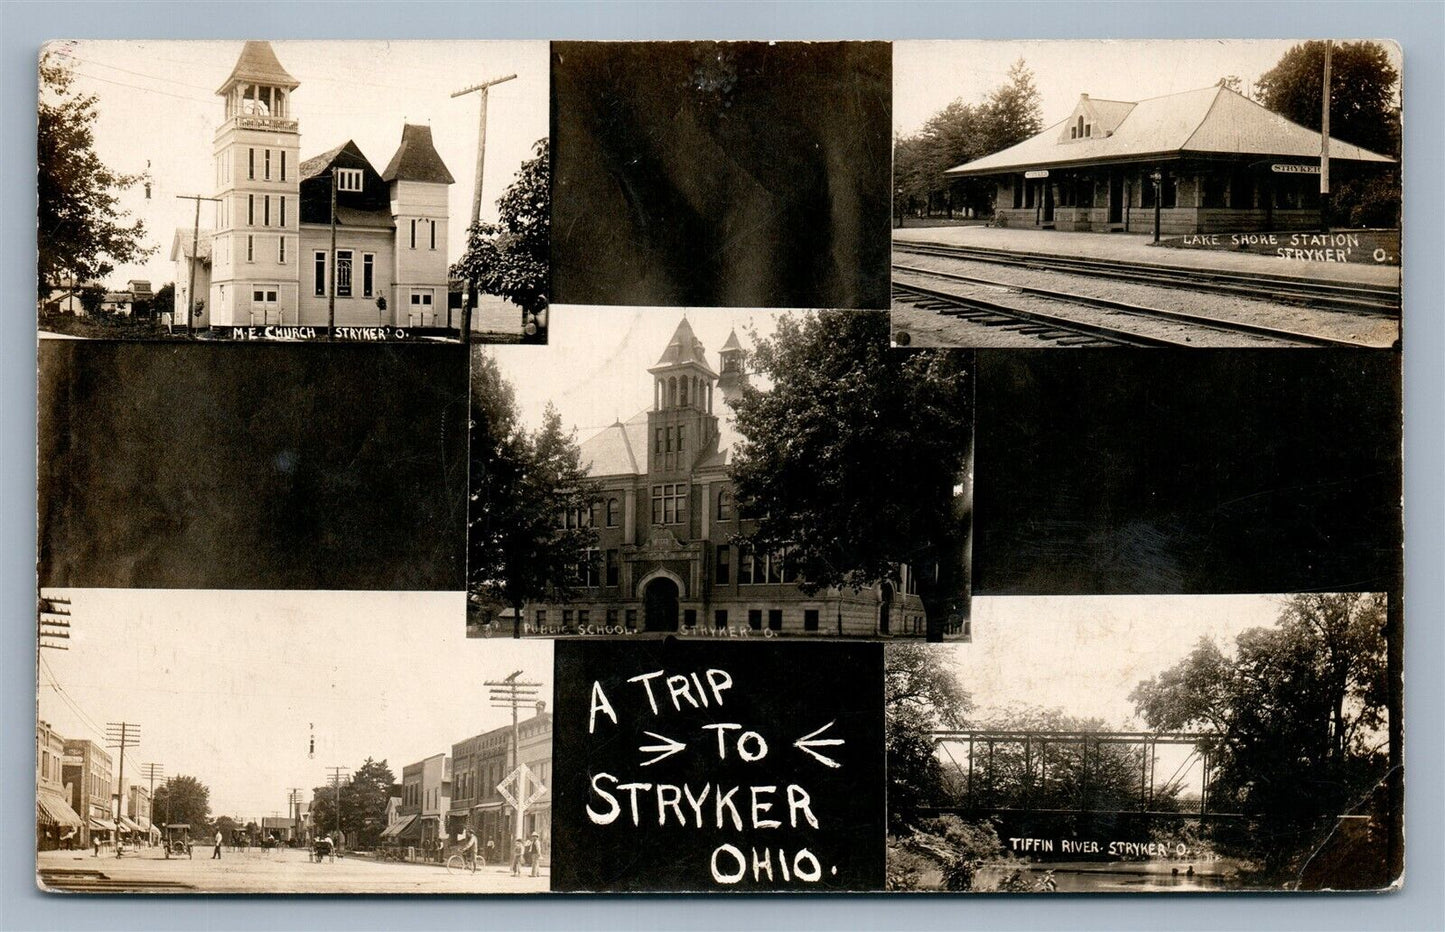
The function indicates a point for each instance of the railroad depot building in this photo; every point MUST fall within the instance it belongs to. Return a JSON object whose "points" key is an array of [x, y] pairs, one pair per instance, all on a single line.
{"points": [[666, 557], [270, 261], [1223, 162]]}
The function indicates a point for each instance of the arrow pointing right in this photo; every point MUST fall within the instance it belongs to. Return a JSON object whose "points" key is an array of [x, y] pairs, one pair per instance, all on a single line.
{"points": [[668, 747]]}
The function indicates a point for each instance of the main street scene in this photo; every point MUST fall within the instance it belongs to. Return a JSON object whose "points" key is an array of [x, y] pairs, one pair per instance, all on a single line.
{"points": [[287, 742], [1150, 744], [720, 473], [293, 190], [1156, 194]]}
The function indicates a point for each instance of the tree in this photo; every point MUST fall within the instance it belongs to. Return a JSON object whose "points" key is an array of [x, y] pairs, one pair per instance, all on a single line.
{"points": [[92, 297], [1298, 713], [82, 233], [183, 800], [531, 500], [162, 302], [853, 460], [920, 695], [1012, 112], [1364, 90], [363, 804], [510, 257]]}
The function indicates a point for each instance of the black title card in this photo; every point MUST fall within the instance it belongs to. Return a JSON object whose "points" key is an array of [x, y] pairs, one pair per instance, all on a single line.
{"points": [[701, 766]]}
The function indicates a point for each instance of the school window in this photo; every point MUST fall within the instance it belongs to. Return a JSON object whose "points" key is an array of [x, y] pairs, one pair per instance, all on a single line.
{"points": [[720, 618], [612, 618], [810, 619], [320, 268], [668, 503], [266, 170], [612, 568], [669, 440], [541, 617], [281, 249], [251, 164], [755, 619], [775, 619], [775, 567], [283, 164], [368, 273], [567, 618], [657, 442], [689, 618], [250, 210], [348, 179], [724, 564], [584, 616], [591, 569], [612, 512], [745, 566], [632, 619], [266, 210], [250, 249], [681, 443], [724, 506], [343, 273], [283, 210]]}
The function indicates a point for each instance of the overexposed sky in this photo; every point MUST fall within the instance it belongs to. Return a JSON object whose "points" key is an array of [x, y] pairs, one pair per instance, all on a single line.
{"points": [[929, 75], [158, 104], [229, 686], [594, 369]]}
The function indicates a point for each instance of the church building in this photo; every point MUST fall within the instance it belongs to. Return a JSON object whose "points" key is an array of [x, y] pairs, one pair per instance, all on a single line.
{"points": [[270, 259], [667, 559], [1208, 160]]}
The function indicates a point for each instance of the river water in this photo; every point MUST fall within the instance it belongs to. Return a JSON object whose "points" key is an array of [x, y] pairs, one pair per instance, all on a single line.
{"points": [[1114, 876]]}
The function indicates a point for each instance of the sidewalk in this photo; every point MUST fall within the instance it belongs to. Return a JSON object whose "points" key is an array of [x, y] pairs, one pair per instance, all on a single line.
{"points": [[1136, 247]]}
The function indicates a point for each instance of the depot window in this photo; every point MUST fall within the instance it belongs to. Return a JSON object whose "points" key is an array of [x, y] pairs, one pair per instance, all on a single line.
{"points": [[368, 274], [320, 268], [343, 273], [348, 179]]}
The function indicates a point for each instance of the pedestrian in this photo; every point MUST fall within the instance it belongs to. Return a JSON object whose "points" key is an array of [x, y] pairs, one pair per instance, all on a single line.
{"points": [[95, 840], [534, 852], [491, 853], [517, 845], [216, 855]]}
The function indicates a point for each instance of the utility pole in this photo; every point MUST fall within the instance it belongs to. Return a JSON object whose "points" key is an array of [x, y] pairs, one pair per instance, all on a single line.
{"points": [[482, 92], [511, 692], [151, 772], [121, 735], [1325, 143], [331, 292], [335, 780], [195, 245], [294, 811], [52, 631]]}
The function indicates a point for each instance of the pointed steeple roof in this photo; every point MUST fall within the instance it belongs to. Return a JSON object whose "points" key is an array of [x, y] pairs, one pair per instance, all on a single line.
{"points": [[732, 345], [682, 349], [416, 159], [258, 65]]}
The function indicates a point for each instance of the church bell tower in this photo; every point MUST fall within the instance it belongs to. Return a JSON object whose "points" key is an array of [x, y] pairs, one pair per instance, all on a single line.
{"points": [[255, 253]]}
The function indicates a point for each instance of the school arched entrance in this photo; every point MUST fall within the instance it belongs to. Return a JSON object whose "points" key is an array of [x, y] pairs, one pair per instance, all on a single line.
{"points": [[659, 601]]}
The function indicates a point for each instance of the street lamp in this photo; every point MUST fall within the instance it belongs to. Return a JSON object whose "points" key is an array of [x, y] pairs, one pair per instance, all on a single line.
{"points": [[1157, 177]]}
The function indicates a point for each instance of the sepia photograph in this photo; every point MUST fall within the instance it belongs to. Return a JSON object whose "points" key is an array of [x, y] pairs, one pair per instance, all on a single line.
{"points": [[723, 474], [1176, 744], [293, 190], [287, 742], [1241, 194]]}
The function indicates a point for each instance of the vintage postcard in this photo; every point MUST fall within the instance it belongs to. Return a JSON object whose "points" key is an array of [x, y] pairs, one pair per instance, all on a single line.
{"points": [[1146, 193]]}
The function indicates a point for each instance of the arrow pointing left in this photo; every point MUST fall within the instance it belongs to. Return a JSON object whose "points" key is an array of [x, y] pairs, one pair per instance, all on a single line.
{"points": [[668, 747]]}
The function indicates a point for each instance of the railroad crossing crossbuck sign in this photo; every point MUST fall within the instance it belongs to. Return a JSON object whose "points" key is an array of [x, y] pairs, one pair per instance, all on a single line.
{"points": [[514, 789]]}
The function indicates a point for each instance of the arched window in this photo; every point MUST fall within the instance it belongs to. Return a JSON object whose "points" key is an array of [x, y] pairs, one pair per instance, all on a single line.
{"points": [[612, 512], [672, 393], [1081, 126], [724, 506], [684, 392]]}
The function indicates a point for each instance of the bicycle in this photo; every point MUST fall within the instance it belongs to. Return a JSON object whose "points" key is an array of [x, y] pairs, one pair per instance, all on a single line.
{"points": [[457, 864]]}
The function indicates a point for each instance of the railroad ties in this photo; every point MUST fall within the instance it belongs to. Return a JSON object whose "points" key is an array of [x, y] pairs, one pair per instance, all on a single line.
{"points": [[90, 880]]}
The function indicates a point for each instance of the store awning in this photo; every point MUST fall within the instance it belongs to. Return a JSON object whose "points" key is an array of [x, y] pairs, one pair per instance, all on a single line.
{"points": [[52, 810], [127, 825], [98, 826], [395, 829], [487, 807]]}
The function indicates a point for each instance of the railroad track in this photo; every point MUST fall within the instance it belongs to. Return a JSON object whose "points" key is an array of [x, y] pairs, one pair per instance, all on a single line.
{"points": [[1355, 298], [85, 880], [1064, 331]]}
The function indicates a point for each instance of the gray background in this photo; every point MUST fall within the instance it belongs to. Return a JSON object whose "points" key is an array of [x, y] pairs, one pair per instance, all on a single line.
{"points": [[1417, 26]]}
